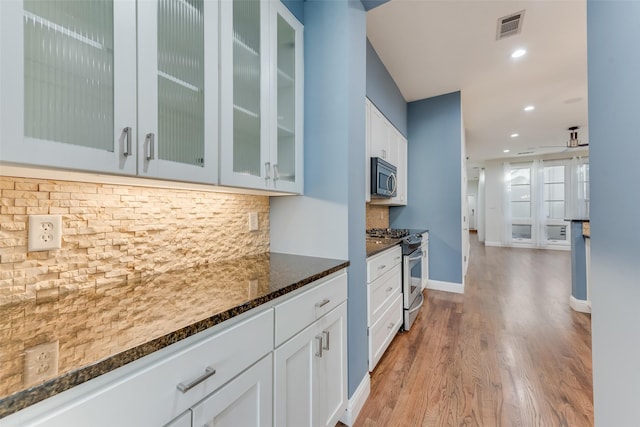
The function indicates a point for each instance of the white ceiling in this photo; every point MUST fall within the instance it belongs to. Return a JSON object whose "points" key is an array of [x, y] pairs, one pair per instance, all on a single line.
{"points": [[435, 47]]}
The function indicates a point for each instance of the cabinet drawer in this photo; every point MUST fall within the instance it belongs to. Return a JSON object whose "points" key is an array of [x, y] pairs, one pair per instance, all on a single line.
{"points": [[382, 292], [299, 312], [382, 332], [145, 393], [379, 264]]}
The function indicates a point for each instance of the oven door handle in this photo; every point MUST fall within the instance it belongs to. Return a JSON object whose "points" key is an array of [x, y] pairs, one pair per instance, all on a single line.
{"points": [[416, 258], [413, 310]]}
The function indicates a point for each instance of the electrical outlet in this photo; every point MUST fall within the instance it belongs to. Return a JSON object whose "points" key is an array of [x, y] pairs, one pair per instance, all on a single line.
{"points": [[253, 221], [45, 232], [40, 363]]}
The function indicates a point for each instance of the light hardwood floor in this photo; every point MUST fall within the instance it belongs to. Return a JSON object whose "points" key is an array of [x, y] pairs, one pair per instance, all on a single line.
{"points": [[509, 352]]}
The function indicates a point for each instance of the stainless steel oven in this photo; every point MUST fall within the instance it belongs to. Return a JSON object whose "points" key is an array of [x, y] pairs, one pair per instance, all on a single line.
{"points": [[412, 285], [415, 265]]}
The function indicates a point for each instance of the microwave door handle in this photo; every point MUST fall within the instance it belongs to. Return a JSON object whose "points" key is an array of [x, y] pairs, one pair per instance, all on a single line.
{"points": [[392, 178]]}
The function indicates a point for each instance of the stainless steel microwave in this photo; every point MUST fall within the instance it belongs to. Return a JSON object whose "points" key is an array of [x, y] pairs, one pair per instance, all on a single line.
{"points": [[383, 178]]}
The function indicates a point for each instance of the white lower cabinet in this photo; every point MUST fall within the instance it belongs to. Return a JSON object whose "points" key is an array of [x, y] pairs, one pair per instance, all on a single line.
{"points": [[246, 401], [226, 376], [310, 369], [384, 301]]}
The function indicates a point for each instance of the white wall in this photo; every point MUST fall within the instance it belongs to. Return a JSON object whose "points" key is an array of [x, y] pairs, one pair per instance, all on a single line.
{"points": [[480, 217], [493, 215]]}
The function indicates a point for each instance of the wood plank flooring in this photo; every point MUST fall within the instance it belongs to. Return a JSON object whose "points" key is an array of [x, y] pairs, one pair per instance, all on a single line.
{"points": [[509, 352]]}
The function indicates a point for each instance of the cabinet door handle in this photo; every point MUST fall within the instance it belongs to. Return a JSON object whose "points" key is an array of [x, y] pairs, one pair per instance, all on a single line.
{"points": [[326, 340], [382, 266], [208, 372], [276, 173], [126, 135], [149, 146], [267, 171], [323, 302], [319, 341]]}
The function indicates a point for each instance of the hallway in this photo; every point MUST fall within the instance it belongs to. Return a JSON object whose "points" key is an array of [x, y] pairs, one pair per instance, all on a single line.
{"points": [[509, 352]]}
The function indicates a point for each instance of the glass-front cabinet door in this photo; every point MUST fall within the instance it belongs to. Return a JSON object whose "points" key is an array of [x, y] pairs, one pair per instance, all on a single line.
{"points": [[244, 69], [261, 96], [67, 84], [178, 89], [287, 73]]}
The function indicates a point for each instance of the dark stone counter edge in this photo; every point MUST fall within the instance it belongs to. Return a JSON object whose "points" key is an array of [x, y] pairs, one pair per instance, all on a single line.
{"points": [[382, 248], [30, 396]]}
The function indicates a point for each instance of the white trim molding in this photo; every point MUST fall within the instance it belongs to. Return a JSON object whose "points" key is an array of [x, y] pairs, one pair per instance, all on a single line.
{"points": [[496, 244], [456, 288], [580, 305], [357, 401]]}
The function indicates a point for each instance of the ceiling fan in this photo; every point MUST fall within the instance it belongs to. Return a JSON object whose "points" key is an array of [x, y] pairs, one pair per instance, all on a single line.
{"points": [[573, 142]]}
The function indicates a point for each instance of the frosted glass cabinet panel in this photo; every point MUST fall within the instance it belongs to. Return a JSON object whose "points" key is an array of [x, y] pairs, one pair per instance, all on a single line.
{"points": [[261, 96], [287, 73], [68, 89], [178, 126]]}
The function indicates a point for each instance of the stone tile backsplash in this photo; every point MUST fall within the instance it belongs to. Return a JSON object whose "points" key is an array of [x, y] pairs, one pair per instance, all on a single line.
{"points": [[113, 233], [377, 216]]}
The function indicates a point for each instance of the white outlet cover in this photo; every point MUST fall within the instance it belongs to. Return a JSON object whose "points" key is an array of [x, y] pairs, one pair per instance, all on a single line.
{"points": [[253, 221], [45, 233]]}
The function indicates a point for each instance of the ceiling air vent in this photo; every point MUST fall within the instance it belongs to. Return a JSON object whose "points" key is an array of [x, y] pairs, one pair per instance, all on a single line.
{"points": [[510, 25]]}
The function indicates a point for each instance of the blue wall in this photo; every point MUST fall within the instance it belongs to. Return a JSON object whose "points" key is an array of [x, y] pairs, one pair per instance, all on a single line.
{"points": [[578, 262], [329, 220], [613, 37], [435, 182], [296, 7], [383, 91]]}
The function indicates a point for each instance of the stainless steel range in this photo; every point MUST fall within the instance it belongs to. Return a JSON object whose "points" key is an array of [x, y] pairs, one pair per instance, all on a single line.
{"points": [[413, 257]]}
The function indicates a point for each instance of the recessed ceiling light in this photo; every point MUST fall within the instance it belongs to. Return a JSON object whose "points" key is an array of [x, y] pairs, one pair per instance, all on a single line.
{"points": [[515, 135], [518, 53], [529, 108], [505, 151]]}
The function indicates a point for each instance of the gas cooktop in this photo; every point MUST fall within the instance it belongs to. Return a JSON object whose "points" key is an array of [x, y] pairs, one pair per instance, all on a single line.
{"points": [[388, 233]]}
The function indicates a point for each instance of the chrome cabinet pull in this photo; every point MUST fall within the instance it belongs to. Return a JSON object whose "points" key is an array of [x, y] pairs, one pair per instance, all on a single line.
{"points": [[208, 372], [323, 302], [267, 171], [326, 340], [390, 288], [382, 266], [276, 173], [149, 147], [391, 325], [319, 341], [126, 136]]}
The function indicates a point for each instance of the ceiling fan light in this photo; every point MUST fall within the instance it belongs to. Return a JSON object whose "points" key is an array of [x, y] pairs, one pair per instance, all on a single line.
{"points": [[573, 138]]}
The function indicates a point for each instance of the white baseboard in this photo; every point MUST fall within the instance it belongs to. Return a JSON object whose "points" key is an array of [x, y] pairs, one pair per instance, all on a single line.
{"points": [[496, 244], [357, 401], [457, 288], [580, 305]]}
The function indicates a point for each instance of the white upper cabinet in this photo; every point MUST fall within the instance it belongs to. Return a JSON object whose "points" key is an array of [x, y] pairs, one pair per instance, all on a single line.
{"points": [[178, 107], [68, 84], [386, 142], [261, 96]]}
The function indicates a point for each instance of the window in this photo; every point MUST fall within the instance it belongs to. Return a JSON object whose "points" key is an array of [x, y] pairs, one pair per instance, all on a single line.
{"points": [[536, 203], [520, 181]]}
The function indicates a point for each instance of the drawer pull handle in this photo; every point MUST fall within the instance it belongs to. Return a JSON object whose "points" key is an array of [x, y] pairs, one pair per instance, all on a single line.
{"points": [[319, 340], [326, 340], [323, 302], [391, 325], [390, 288], [382, 266], [188, 386]]}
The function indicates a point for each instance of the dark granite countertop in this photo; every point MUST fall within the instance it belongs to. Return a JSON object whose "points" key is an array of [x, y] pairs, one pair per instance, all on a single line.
{"points": [[376, 245], [101, 329]]}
